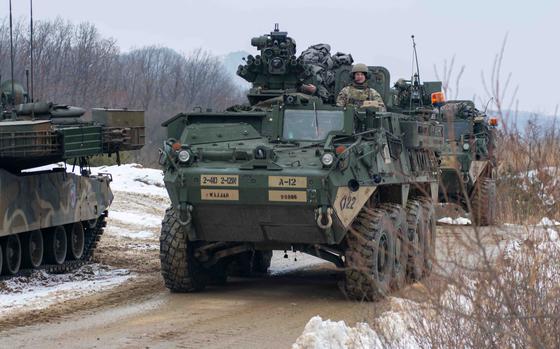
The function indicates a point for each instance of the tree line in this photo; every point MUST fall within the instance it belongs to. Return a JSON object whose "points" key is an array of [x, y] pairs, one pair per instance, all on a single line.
{"points": [[74, 64]]}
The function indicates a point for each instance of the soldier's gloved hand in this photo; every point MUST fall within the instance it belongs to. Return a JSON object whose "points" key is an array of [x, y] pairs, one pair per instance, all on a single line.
{"points": [[308, 88], [375, 105]]}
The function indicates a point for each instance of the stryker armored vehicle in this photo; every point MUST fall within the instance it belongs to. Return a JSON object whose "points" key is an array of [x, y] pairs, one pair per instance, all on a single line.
{"points": [[49, 218], [467, 181], [352, 186], [468, 163]]}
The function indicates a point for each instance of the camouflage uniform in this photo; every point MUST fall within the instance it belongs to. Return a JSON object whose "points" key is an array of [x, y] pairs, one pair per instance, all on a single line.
{"points": [[355, 94]]}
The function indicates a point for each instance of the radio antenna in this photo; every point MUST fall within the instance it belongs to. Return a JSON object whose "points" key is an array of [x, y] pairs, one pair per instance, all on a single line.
{"points": [[31, 49], [416, 92], [415, 58], [12, 56]]}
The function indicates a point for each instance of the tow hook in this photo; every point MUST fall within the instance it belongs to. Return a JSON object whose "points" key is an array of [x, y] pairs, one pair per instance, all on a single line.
{"points": [[322, 216], [184, 214]]}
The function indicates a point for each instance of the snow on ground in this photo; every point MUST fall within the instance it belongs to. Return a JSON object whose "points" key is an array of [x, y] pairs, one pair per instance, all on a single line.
{"points": [[136, 218], [40, 289], [295, 261], [135, 178], [455, 221], [545, 221], [319, 334], [131, 234], [393, 331]]}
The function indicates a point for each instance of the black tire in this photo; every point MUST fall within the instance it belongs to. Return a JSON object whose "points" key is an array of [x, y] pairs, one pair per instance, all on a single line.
{"points": [[33, 250], [369, 256], [11, 251], [261, 261], [430, 235], [76, 241], [483, 202], [250, 263], [416, 228], [180, 271], [398, 215], [1, 257], [56, 246]]}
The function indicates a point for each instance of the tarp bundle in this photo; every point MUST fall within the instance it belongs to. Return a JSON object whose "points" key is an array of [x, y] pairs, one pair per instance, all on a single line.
{"points": [[322, 64]]}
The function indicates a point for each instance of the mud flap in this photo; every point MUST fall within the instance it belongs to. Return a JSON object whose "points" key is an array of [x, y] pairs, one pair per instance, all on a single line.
{"points": [[348, 204], [476, 169]]}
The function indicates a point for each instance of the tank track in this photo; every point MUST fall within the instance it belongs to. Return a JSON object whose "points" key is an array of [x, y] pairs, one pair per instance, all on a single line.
{"points": [[92, 236]]}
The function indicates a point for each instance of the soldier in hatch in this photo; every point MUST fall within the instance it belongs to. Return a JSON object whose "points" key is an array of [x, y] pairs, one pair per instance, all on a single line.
{"points": [[359, 92]]}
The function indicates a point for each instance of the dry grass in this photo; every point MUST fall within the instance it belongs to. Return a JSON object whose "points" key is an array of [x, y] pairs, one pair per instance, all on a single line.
{"points": [[499, 287]]}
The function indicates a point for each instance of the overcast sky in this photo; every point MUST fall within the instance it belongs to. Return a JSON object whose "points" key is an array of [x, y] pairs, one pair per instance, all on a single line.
{"points": [[374, 32]]}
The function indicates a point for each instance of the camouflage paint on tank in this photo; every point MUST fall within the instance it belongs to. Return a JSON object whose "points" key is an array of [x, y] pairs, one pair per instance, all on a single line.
{"points": [[42, 200]]}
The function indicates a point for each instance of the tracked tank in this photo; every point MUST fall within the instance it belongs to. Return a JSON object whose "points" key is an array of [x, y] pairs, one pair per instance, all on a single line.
{"points": [[50, 218], [290, 171]]}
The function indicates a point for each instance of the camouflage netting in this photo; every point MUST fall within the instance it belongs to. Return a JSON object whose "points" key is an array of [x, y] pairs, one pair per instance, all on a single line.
{"points": [[322, 65]]}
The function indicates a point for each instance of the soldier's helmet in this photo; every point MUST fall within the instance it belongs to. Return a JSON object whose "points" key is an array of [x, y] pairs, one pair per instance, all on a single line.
{"points": [[360, 68]]}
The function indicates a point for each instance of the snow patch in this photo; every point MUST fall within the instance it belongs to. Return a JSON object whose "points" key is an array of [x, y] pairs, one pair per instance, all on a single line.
{"points": [[130, 234], [129, 218], [319, 333], [40, 289], [295, 261], [134, 178], [547, 222], [455, 221]]}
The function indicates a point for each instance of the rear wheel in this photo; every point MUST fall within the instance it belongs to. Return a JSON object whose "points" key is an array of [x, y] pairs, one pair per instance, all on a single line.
{"points": [[429, 235], [180, 270], [261, 261], [76, 240], [398, 215], [483, 202], [251, 263], [416, 230], [370, 255], [32, 246], [11, 247], [56, 246]]}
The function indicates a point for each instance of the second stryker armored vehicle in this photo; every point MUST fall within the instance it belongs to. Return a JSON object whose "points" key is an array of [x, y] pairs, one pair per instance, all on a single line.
{"points": [[352, 186], [468, 163], [49, 218], [467, 182]]}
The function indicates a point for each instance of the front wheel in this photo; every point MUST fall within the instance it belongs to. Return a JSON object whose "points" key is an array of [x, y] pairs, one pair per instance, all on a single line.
{"points": [[180, 271], [483, 202], [370, 255]]}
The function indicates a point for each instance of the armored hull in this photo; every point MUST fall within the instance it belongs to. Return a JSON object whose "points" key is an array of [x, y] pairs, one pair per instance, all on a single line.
{"points": [[53, 219]]}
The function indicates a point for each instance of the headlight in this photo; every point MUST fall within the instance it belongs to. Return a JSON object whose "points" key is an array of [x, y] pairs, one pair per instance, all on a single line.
{"points": [[184, 155], [466, 146], [327, 159]]}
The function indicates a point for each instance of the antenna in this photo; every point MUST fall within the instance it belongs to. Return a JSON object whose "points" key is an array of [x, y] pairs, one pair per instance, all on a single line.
{"points": [[13, 97], [415, 58], [416, 92], [30, 90]]}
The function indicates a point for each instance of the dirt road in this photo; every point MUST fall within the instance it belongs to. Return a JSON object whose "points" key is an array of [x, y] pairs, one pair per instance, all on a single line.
{"points": [[266, 312]]}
